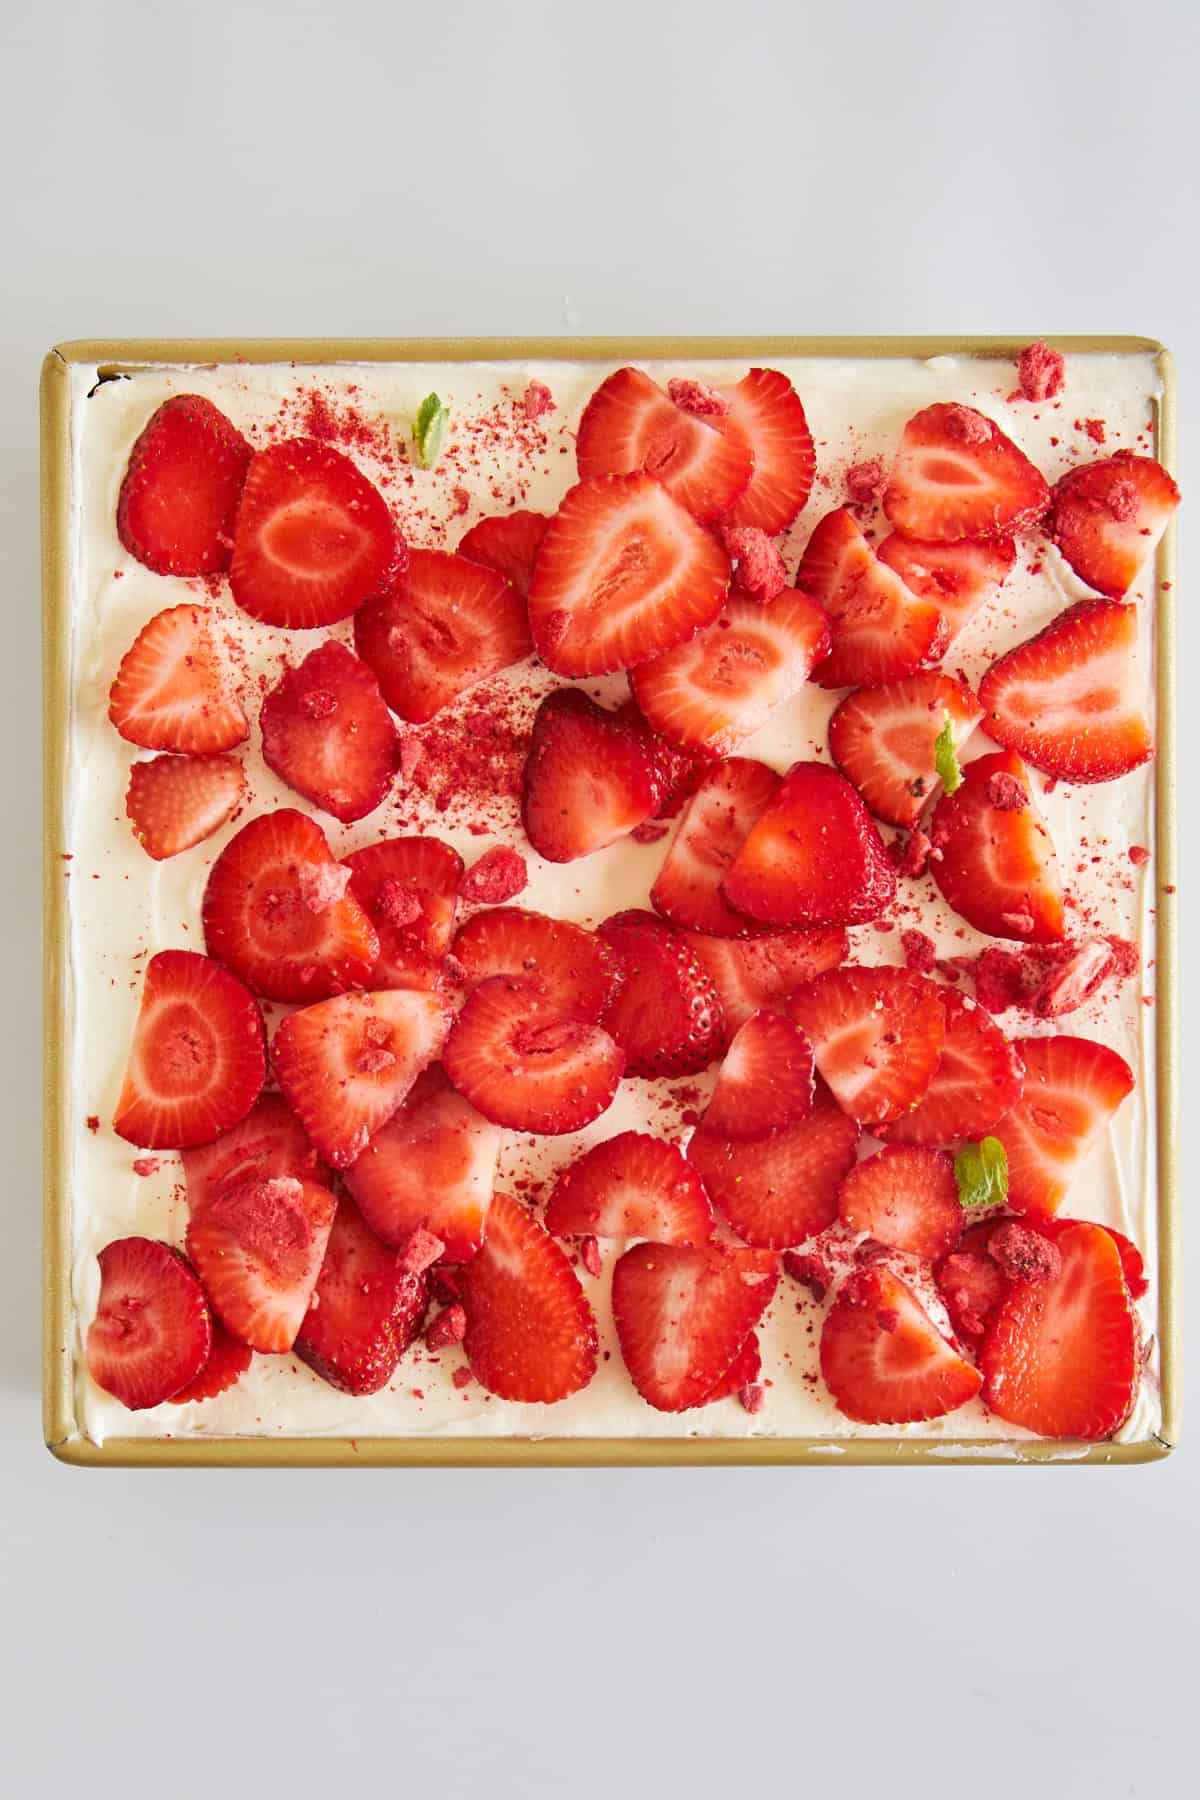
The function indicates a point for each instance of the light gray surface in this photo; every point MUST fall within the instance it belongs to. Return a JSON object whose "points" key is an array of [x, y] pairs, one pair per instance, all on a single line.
{"points": [[216, 168]]}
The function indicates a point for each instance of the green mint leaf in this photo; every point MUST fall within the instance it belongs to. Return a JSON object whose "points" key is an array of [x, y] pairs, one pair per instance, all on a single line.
{"points": [[429, 430], [981, 1171], [946, 758]]}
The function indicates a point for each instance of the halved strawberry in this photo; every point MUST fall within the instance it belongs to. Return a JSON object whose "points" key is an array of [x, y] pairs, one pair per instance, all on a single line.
{"points": [[174, 689], [346, 1064], [258, 1249], [957, 476], [720, 686], [431, 1165], [665, 1015], [971, 1284], [623, 574], [1107, 518], [683, 1315], [957, 578], [575, 970], [588, 778], [408, 888], [880, 631], [531, 1334], [327, 733], [877, 1036], [680, 772], [765, 410], [779, 1190], [905, 1197], [508, 543], [314, 538], [1067, 698], [883, 740], [525, 1064], [1073, 1086], [174, 802], [179, 498], [198, 1057], [997, 866], [227, 1362], [269, 1141], [630, 424], [277, 912], [765, 1081], [978, 1079], [814, 857], [365, 1311], [1061, 1357], [745, 1369], [884, 1360], [152, 1332], [715, 824], [631, 1186], [763, 971]]}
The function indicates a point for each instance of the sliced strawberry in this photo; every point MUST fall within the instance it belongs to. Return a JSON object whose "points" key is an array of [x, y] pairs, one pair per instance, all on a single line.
{"points": [[1061, 1357], [879, 630], [531, 1334], [314, 538], [623, 574], [575, 970], [174, 689], [666, 1015], [198, 1057], [431, 1165], [765, 409], [905, 1197], [366, 1308], [1132, 1266], [327, 733], [877, 1036], [227, 1362], [507, 543], [174, 802], [277, 911], [883, 740], [180, 494], [525, 1064], [629, 425], [346, 1064], [258, 1249], [978, 1079], [957, 578], [683, 1315], [631, 1186], [744, 1370], [779, 1190], [884, 1360], [588, 778], [152, 1332], [1108, 517], [269, 1141], [997, 866], [765, 1081], [814, 857], [755, 972], [1072, 1088], [408, 887], [715, 824], [958, 476], [971, 1284], [680, 772]]}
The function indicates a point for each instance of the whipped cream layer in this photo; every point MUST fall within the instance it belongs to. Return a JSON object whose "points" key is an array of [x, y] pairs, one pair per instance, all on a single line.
{"points": [[124, 907]]}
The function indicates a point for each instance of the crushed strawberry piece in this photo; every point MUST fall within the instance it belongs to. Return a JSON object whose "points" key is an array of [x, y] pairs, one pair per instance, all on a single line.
{"points": [[317, 703], [589, 1255], [998, 981], [697, 397], [147, 1165], [920, 952], [373, 1059], [1040, 371], [1138, 855], [1095, 430], [450, 1327], [760, 571], [865, 481], [461, 1377], [1020, 923], [444, 1284], [1126, 960], [538, 400], [810, 1271], [397, 904], [650, 832], [911, 855], [1006, 793], [753, 1396], [92, 1122], [462, 500], [499, 875], [1022, 1254], [965, 423], [421, 1251], [1121, 501], [322, 885]]}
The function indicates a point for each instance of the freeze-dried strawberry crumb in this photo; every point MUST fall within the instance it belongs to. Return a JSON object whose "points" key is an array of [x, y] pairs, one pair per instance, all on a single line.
{"points": [[1095, 430], [911, 855], [1126, 960], [760, 571], [396, 904], [450, 1327], [920, 952], [461, 1377], [589, 1255], [147, 1165], [317, 703], [499, 875], [374, 1058], [1022, 1254], [1020, 923], [810, 1271], [649, 832], [444, 1285], [865, 481], [538, 400], [322, 886], [461, 499], [92, 1122], [965, 423], [1121, 500], [1138, 855], [1006, 793], [1040, 371], [697, 397], [753, 1396], [421, 1251]]}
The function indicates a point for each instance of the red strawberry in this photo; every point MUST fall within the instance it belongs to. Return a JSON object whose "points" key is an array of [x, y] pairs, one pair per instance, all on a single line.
{"points": [[525, 1064], [880, 631], [743, 1371], [180, 494], [631, 1186], [1067, 701], [956, 578], [1108, 517], [152, 1333], [269, 1141], [1132, 1266], [958, 476], [623, 574], [877, 1036], [366, 1309], [431, 1165], [765, 1081], [666, 1015], [227, 1362], [683, 1315], [779, 1190], [198, 1057], [1072, 1088], [588, 779], [997, 866], [277, 911], [905, 1197], [174, 802], [531, 1334], [629, 425], [258, 1249], [346, 1064], [884, 1360], [978, 1079], [763, 971], [883, 740], [679, 772], [1061, 1357], [328, 734], [765, 409], [575, 970], [720, 686], [814, 857], [715, 824], [971, 1284], [507, 543], [408, 887], [314, 539], [174, 690]]}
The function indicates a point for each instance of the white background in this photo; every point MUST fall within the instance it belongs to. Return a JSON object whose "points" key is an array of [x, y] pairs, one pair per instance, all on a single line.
{"points": [[629, 166]]}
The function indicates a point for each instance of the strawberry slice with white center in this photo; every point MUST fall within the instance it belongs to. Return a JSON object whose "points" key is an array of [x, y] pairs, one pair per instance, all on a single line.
{"points": [[1067, 699], [431, 1165], [977, 1081], [715, 824], [508, 543], [884, 1360], [531, 1335], [880, 630], [723, 684], [765, 1081], [174, 802], [179, 498], [665, 1015], [1107, 518], [366, 1308], [227, 1362], [971, 1284], [314, 538], [152, 1332], [905, 1197], [523, 1063], [997, 866], [258, 1250], [765, 409], [174, 689], [630, 425], [884, 739], [631, 1186], [756, 972], [815, 856], [576, 971], [957, 475], [683, 1315], [327, 733], [408, 887], [277, 911], [198, 1058], [1073, 1087], [588, 781], [444, 624], [346, 1064], [624, 573], [777, 1191], [269, 1141], [957, 578], [877, 1035]]}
